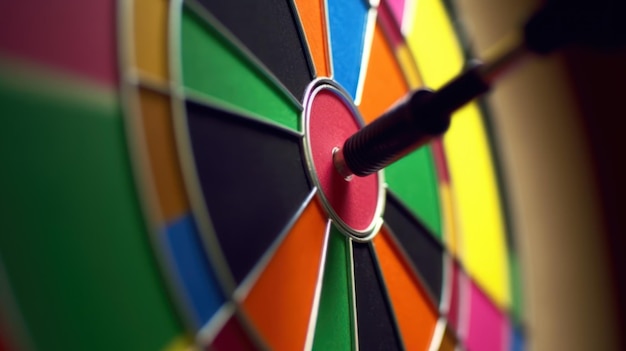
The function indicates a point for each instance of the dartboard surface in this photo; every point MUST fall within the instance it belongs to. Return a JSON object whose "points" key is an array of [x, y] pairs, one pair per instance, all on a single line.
{"points": [[173, 184]]}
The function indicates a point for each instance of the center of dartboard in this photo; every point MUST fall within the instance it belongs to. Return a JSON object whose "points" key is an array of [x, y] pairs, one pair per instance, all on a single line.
{"points": [[354, 204]]}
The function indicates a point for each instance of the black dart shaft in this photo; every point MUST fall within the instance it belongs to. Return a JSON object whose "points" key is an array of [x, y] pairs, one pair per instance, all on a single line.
{"points": [[425, 114], [421, 116], [413, 122]]}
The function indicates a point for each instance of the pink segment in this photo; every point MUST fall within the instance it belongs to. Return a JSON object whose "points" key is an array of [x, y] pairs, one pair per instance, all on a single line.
{"points": [[488, 327], [397, 9], [331, 122], [390, 24], [73, 35]]}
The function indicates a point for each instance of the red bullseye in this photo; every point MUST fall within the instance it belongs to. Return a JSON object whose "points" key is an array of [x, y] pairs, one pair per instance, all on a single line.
{"points": [[355, 204]]}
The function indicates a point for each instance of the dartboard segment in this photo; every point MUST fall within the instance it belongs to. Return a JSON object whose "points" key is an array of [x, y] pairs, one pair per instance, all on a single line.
{"points": [[270, 31], [376, 322], [456, 304], [70, 137], [488, 327], [252, 179], [449, 341], [233, 336], [72, 36], [283, 300], [335, 326], [189, 260], [211, 64], [175, 237], [384, 82], [150, 45], [414, 309], [349, 23], [397, 9], [414, 182], [424, 251], [157, 128], [312, 15]]}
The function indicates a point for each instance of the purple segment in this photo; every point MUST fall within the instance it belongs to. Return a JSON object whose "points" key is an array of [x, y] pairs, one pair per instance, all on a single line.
{"points": [[73, 35], [488, 327], [397, 10]]}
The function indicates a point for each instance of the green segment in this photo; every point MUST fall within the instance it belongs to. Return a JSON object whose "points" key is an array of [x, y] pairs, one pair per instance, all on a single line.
{"points": [[334, 330], [72, 240], [213, 66], [516, 287], [414, 180]]}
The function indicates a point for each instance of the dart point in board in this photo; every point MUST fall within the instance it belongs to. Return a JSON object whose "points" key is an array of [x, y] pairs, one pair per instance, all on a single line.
{"points": [[425, 114]]}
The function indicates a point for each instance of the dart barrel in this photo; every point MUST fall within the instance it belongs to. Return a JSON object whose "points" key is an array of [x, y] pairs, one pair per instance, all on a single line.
{"points": [[413, 122]]}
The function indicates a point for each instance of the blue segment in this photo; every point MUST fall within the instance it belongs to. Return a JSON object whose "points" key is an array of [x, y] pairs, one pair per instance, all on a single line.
{"points": [[347, 34], [192, 265], [517, 340]]}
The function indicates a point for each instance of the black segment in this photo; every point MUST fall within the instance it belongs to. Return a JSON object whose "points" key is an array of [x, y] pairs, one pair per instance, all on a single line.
{"points": [[423, 249], [253, 181], [375, 324], [268, 29]]}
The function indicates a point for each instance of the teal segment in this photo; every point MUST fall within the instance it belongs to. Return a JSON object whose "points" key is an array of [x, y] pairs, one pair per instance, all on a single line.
{"points": [[347, 23], [73, 242], [413, 180]]}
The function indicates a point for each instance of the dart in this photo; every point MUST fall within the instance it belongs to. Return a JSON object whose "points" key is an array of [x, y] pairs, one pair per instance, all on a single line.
{"points": [[425, 114]]}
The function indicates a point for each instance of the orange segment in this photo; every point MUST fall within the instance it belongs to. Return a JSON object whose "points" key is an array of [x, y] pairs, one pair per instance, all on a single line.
{"points": [[408, 66], [447, 209], [384, 81], [448, 342], [416, 315], [164, 164], [150, 30], [313, 19], [281, 301]]}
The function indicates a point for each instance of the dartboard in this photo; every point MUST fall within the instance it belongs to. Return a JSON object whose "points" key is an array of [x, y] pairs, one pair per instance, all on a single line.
{"points": [[173, 183]]}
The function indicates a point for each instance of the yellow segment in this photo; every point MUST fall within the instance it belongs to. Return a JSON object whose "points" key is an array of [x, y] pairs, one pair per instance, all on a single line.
{"points": [[480, 227], [150, 37], [483, 249], [181, 343], [408, 66], [433, 44], [447, 212]]}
